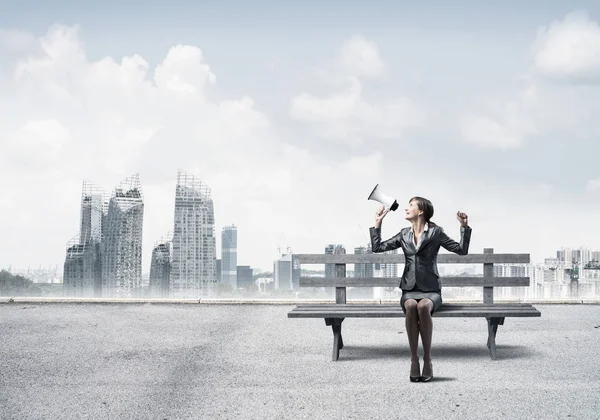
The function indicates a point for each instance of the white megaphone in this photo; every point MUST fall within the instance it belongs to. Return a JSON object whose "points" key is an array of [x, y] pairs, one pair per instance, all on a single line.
{"points": [[387, 201]]}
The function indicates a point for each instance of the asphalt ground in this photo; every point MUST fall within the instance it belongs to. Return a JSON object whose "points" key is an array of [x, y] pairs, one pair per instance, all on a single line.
{"points": [[169, 361]]}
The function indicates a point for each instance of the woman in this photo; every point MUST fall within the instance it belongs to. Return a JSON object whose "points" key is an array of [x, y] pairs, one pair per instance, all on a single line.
{"points": [[421, 289]]}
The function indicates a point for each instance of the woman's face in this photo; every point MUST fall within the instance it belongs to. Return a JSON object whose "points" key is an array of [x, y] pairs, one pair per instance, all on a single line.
{"points": [[412, 211]]}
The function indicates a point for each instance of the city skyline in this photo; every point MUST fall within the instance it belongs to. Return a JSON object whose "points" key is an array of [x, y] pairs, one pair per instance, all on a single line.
{"points": [[490, 109]]}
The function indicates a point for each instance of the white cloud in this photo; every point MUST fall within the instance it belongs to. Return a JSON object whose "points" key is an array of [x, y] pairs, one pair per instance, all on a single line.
{"points": [[360, 58], [503, 130], [593, 186], [345, 115], [337, 106], [569, 49], [184, 70], [35, 143]]}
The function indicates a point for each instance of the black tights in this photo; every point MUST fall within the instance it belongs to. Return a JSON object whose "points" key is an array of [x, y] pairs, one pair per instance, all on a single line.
{"points": [[418, 320]]}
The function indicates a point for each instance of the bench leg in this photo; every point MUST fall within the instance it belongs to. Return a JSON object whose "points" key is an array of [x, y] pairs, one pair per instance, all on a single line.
{"points": [[492, 329], [338, 342]]}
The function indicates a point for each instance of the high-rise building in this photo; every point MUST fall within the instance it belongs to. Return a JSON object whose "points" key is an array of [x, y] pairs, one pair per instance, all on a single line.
{"points": [[229, 256], [286, 273], [333, 249], [389, 269], [363, 270], [244, 277], [82, 269], [193, 270], [94, 206], [122, 240], [82, 273], [160, 267], [218, 270]]}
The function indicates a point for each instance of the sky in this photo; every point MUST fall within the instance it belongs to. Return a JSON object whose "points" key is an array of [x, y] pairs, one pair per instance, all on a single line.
{"points": [[292, 113]]}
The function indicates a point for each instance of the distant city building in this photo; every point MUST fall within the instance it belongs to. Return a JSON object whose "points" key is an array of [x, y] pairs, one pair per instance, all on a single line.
{"points": [[94, 207], [332, 249], [229, 256], [122, 240], [286, 273], [194, 266], [160, 267], [244, 277], [82, 271], [39, 274], [218, 270], [363, 270]]}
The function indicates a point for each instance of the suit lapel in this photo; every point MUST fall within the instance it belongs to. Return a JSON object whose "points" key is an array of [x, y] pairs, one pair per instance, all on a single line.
{"points": [[424, 239], [410, 245]]}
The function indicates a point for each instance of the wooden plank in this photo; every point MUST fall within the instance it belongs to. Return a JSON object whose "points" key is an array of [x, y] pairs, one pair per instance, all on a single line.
{"points": [[351, 305], [329, 308], [399, 314], [443, 258], [340, 275], [306, 281], [390, 310], [488, 272], [447, 310]]}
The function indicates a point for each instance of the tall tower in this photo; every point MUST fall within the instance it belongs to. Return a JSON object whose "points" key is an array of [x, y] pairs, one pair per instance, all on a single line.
{"points": [[363, 269], [122, 240], [229, 256], [193, 270], [82, 274], [159, 281], [333, 249], [94, 206]]}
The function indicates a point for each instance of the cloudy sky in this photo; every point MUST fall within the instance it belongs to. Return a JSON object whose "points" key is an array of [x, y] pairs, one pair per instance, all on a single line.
{"points": [[292, 113]]}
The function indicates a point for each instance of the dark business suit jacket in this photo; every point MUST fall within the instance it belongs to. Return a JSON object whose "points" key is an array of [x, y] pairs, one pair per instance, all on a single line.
{"points": [[420, 267]]}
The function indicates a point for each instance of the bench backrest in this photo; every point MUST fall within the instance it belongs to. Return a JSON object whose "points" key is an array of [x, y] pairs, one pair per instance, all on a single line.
{"points": [[340, 281]]}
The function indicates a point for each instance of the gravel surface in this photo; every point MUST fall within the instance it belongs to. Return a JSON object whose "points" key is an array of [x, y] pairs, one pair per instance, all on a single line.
{"points": [[165, 361]]}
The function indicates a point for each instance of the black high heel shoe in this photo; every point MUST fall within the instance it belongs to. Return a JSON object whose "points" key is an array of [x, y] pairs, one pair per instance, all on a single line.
{"points": [[427, 378], [415, 367]]}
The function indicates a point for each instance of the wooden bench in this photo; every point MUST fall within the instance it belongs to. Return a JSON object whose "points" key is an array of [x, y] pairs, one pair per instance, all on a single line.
{"points": [[334, 314]]}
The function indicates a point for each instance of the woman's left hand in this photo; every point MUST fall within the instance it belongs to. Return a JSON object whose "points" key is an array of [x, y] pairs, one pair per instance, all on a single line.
{"points": [[462, 218]]}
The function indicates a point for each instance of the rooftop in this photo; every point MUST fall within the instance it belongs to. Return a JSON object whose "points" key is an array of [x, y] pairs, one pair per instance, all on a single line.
{"points": [[175, 361]]}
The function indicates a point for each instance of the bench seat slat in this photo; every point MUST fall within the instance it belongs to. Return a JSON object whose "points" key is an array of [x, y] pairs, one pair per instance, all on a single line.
{"points": [[397, 305], [443, 258], [306, 281], [400, 314], [446, 310]]}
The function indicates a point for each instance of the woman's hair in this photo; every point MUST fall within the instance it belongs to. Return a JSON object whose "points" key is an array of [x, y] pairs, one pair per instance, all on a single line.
{"points": [[426, 207]]}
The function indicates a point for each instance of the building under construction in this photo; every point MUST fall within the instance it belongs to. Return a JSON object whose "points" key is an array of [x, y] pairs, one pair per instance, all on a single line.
{"points": [[122, 240], [194, 262], [83, 269], [160, 267]]}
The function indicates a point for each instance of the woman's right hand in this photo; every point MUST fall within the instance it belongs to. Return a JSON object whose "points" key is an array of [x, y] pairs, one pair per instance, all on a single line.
{"points": [[379, 215]]}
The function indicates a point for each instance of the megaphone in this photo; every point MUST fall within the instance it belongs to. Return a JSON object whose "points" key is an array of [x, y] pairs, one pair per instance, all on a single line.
{"points": [[387, 201]]}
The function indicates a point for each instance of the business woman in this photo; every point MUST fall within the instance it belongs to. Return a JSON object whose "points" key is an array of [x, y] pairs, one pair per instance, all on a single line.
{"points": [[421, 289]]}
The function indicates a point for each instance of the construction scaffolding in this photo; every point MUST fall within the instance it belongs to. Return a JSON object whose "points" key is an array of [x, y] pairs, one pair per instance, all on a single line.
{"points": [[82, 274], [94, 206], [122, 240], [82, 269], [193, 268], [160, 267]]}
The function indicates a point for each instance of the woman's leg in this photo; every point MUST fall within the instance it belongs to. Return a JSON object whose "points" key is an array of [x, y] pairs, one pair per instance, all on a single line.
{"points": [[424, 308], [412, 328]]}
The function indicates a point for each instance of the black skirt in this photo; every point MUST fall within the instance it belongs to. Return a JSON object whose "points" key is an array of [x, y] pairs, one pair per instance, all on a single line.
{"points": [[417, 295]]}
